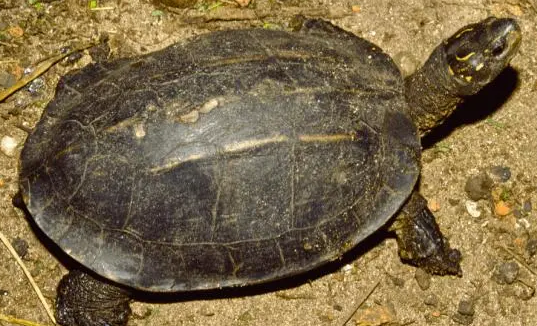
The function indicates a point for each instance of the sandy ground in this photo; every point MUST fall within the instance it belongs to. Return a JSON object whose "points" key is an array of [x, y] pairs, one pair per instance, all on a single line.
{"points": [[494, 134]]}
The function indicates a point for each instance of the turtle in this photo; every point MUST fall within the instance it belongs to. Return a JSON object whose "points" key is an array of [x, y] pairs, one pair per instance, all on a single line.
{"points": [[243, 156]]}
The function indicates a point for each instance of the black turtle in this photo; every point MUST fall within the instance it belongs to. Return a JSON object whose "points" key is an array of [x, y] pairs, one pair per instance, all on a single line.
{"points": [[241, 157]]}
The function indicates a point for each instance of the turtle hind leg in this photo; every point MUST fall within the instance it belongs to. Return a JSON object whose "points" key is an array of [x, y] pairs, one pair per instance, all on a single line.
{"points": [[86, 301], [420, 241]]}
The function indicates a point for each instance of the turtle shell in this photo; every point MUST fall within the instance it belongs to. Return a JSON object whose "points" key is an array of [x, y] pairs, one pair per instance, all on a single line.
{"points": [[235, 158]]}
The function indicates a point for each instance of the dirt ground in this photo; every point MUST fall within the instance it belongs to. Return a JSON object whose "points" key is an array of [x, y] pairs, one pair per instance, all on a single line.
{"points": [[494, 134]]}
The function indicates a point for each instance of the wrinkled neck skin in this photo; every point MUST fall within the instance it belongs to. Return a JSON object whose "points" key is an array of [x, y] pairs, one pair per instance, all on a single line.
{"points": [[430, 93]]}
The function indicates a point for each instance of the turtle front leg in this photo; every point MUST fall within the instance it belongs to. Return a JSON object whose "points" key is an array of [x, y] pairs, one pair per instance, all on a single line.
{"points": [[86, 301], [420, 241]]}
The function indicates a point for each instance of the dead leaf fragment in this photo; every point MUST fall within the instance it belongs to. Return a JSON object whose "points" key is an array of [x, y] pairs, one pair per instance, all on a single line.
{"points": [[15, 31], [433, 205], [501, 208], [243, 3], [375, 316], [17, 71]]}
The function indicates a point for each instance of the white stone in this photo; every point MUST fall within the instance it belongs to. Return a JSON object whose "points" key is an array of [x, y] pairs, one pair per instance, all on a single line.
{"points": [[8, 145], [472, 208]]}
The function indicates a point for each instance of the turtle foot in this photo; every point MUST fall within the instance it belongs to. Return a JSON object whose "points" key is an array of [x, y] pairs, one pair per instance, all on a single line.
{"points": [[420, 241], [85, 301]]}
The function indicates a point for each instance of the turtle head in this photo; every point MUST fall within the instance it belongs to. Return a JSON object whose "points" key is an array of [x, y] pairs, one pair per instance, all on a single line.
{"points": [[459, 67], [477, 53]]}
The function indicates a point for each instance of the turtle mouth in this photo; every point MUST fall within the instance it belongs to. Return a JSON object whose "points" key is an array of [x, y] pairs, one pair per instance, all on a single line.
{"points": [[513, 40]]}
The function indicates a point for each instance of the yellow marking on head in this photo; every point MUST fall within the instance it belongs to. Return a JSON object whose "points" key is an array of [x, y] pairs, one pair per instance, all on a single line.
{"points": [[466, 57], [321, 138], [464, 31], [451, 71], [468, 78], [479, 66]]}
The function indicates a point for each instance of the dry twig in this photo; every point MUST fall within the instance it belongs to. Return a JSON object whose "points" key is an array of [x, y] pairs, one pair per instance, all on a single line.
{"points": [[18, 321], [360, 303], [41, 68], [29, 276]]}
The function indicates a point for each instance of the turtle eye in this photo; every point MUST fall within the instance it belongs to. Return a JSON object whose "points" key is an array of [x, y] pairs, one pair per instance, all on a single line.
{"points": [[498, 48]]}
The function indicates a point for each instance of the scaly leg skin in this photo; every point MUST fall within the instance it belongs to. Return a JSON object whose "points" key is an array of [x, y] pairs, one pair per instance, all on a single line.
{"points": [[420, 241], [85, 301]]}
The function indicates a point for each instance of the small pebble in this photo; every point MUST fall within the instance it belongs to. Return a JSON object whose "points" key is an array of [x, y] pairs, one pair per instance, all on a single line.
{"points": [[527, 206], [501, 208], [36, 85], [21, 246], [506, 273], [74, 57], [431, 300], [462, 319], [523, 222], [8, 145], [397, 281], [478, 187], [423, 279], [454, 201], [472, 208], [466, 307], [502, 172], [531, 247], [247, 317], [523, 291], [6, 79], [28, 70], [140, 312], [206, 311], [348, 268]]}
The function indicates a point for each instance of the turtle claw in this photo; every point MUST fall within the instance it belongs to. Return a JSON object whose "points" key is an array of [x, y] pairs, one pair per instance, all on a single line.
{"points": [[441, 263]]}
